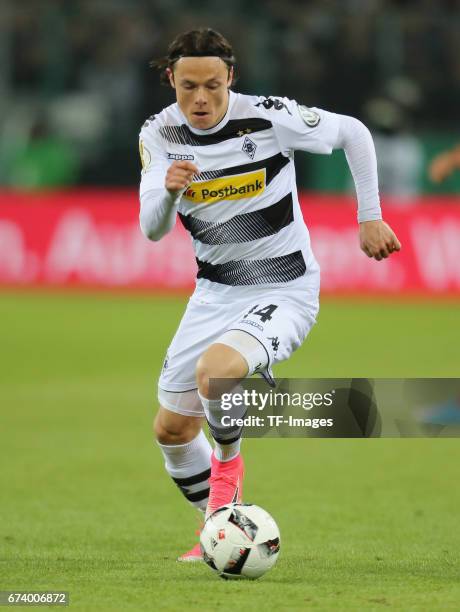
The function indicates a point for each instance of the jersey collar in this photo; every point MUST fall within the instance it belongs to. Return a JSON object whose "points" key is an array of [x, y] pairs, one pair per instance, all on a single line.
{"points": [[222, 123]]}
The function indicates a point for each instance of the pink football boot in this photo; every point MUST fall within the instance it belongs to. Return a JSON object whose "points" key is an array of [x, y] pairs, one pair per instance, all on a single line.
{"points": [[192, 555], [195, 553], [226, 487], [225, 482]]}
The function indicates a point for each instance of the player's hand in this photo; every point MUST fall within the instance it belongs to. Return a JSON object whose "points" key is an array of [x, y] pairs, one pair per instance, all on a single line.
{"points": [[377, 239], [179, 176]]}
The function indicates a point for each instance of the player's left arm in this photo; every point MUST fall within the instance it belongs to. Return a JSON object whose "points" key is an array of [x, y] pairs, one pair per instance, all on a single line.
{"points": [[376, 237], [319, 131]]}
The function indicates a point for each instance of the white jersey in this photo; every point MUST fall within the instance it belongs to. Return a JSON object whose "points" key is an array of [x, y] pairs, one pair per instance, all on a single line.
{"points": [[242, 210]]}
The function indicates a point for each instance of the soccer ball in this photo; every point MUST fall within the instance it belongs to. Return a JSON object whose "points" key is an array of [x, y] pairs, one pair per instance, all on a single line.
{"points": [[240, 541]]}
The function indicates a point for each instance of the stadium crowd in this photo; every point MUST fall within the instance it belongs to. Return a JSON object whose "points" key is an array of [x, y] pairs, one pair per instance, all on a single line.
{"points": [[77, 85]]}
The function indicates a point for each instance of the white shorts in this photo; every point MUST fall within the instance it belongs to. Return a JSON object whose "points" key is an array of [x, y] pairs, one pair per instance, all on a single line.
{"points": [[279, 319]]}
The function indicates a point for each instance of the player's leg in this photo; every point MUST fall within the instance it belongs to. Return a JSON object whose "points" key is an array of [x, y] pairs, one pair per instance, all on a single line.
{"points": [[186, 452], [232, 357], [220, 362], [264, 333], [185, 448]]}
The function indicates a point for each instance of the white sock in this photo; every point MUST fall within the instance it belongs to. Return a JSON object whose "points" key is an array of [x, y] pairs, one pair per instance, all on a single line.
{"points": [[227, 452], [227, 439], [189, 465]]}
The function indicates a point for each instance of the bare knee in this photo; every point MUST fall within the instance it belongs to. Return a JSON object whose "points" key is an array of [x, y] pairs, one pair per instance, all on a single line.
{"points": [[219, 361], [172, 428]]}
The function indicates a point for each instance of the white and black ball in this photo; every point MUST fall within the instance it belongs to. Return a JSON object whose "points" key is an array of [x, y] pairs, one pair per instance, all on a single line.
{"points": [[240, 541]]}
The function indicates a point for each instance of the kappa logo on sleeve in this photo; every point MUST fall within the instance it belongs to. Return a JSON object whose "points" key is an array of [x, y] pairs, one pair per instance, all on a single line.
{"points": [[308, 116], [275, 103], [180, 157], [236, 187]]}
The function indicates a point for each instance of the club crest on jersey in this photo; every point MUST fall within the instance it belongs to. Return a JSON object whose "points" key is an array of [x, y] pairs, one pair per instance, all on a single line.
{"points": [[275, 103], [179, 157], [235, 187], [249, 147], [308, 116]]}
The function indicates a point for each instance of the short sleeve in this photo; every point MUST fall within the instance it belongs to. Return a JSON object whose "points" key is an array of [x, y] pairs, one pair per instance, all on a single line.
{"points": [[300, 128], [154, 161]]}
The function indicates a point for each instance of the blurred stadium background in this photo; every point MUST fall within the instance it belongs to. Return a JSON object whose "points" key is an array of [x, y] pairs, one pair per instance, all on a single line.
{"points": [[82, 485], [76, 85]]}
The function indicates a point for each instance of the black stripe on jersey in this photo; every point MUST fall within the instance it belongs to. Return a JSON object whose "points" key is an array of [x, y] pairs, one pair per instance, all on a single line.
{"points": [[242, 228], [254, 271], [235, 128], [272, 165]]}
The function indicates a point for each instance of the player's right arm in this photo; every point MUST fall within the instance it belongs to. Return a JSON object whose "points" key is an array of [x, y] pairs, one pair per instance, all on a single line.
{"points": [[162, 186], [179, 176]]}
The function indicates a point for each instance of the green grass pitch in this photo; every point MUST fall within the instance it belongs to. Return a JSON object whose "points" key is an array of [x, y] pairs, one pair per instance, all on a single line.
{"points": [[86, 507]]}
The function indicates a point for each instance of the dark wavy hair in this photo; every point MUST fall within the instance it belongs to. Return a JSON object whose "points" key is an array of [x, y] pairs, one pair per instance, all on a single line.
{"points": [[203, 42]]}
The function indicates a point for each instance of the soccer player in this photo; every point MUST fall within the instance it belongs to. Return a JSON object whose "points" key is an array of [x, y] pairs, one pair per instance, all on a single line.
{"points": [[223, 162]]}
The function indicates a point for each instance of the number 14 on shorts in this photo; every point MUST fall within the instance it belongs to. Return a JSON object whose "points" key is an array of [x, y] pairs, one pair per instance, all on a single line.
{"points": [[265, 313]]}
